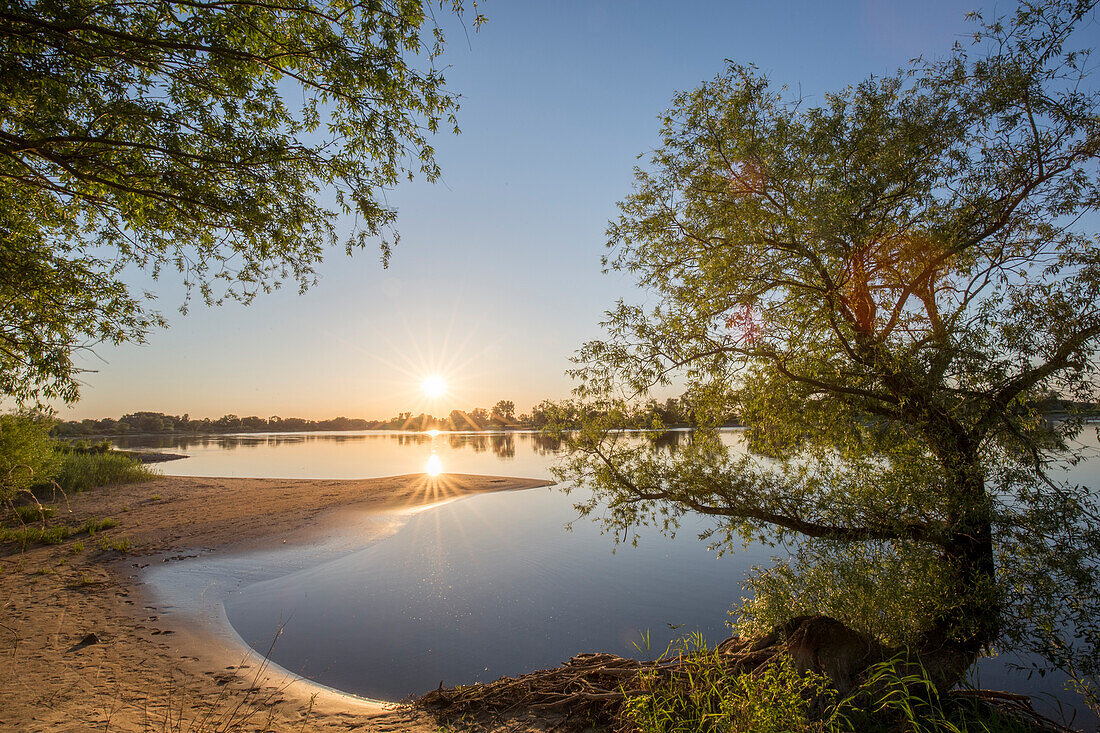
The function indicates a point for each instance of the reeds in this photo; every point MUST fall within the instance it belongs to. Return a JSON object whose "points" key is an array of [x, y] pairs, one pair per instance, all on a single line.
{"points": [[83, 471]]}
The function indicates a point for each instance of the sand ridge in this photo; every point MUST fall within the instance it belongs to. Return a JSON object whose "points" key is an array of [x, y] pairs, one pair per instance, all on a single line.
{"points": [[84, 647]]}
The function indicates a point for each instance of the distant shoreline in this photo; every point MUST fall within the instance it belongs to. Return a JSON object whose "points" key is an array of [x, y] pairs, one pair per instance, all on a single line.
{"points": [[396, 431], [264, 431]]}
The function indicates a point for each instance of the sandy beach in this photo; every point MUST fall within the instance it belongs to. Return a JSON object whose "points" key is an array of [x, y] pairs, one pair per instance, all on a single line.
{"points": [[84, 646]]}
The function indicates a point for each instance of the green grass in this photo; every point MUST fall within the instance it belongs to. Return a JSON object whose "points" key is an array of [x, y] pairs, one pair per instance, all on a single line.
{"points": [[83, 471], [86, 580], [118, 544], [93, 525], [83, 446], [895, 697], [34, 534], [704, 696], [33, 512]]}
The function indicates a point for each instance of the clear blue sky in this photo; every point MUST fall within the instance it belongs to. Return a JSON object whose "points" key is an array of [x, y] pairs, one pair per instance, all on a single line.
{"points": [[497, 279]]}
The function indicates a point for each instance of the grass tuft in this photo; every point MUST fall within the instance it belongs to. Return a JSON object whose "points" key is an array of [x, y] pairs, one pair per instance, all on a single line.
{"points": [[33, 512], [86, 580], [93, 526], [118, 544], [705, 695], [83, 471], [33, 534], [896, 696]]}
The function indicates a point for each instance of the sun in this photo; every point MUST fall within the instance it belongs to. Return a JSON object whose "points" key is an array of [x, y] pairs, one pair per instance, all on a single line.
{"points": [[434, 386], [434, 467]]}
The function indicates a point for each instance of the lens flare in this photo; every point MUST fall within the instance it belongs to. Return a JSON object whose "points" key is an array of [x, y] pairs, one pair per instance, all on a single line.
{"points": [[433, 467]]}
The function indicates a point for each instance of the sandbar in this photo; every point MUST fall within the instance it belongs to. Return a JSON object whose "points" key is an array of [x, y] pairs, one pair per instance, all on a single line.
{"points": [[85, 646]]}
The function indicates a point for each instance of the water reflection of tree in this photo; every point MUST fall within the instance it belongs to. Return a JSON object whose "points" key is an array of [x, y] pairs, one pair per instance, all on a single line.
{"points": [[286, 439], [504, 445], [669, 440], [543, 444]]}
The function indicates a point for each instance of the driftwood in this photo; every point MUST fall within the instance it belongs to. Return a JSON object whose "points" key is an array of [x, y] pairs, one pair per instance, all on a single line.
{"points": [[1015, 705], [591, 688]]}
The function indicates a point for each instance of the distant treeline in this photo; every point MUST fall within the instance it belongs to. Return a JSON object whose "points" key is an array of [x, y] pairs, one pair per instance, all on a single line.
{"points": [[670, 413]]}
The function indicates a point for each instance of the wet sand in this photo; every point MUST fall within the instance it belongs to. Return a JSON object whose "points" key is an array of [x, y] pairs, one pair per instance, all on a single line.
{"points": [[85, 646]]}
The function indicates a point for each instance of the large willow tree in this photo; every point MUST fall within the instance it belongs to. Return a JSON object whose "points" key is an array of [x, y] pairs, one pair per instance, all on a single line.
{"points": [[886, 288], [222, 140]]}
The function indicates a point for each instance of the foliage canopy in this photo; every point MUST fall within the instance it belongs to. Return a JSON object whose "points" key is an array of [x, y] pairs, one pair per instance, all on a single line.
{"points": [[884, 287], [221, 140]]}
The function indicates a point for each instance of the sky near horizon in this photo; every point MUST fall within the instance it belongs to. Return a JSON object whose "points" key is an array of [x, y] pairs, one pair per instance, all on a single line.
{"points": [[497, 278]]}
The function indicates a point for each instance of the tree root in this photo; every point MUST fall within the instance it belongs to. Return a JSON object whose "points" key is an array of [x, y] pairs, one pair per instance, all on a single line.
{"points": [[1014, 705], [590, 689]]}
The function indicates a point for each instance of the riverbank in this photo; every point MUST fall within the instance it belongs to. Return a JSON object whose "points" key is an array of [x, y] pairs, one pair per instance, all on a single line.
{"points": [[85, 646]]}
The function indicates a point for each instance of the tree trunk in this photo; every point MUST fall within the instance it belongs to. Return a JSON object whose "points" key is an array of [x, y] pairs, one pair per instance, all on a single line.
{"points": [[971, 622]]}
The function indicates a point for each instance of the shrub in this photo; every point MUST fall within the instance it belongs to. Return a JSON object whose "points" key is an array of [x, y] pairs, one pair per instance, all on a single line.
{"points": [[26, 455]]}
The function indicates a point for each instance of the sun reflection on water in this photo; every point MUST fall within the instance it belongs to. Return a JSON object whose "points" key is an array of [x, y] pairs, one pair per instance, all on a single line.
{"points": [[433, 467]]}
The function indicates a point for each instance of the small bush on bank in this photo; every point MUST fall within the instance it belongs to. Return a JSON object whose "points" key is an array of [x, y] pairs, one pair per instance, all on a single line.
{"points": [[27, 457], [83, 471]]}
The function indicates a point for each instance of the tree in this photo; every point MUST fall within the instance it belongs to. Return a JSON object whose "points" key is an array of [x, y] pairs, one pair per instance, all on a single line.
{"points": [[882, 288], [224, 141], [506, 409]]}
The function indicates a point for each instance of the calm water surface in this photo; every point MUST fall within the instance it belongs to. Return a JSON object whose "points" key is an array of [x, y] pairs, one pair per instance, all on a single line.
{"points": [[486, 586], [365, 454]]}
